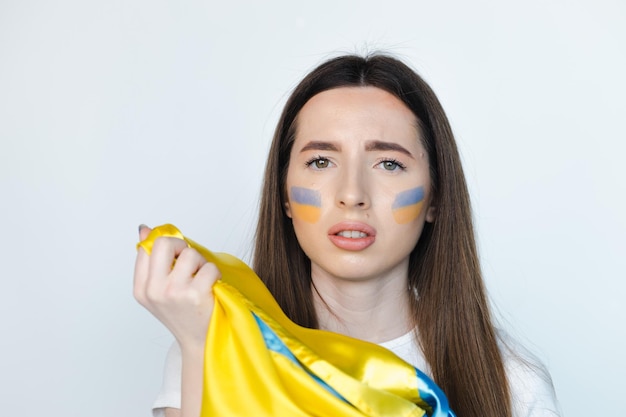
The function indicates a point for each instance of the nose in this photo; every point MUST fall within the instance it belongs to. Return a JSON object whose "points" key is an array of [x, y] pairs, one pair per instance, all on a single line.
{"points": [[352, 190]]}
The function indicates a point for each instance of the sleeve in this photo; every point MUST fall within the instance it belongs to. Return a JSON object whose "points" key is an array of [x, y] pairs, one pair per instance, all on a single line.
{"points": [[532, 392], [170, 392]]}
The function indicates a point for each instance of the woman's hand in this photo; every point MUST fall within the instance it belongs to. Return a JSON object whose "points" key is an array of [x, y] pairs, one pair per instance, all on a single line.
{"points": [[175, 284]]}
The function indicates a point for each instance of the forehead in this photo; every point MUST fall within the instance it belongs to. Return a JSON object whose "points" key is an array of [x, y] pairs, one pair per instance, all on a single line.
{"points": [[369, 113]]}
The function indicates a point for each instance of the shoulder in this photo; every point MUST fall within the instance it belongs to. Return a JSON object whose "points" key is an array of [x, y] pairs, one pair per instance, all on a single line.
{"points": [[532, 391]]}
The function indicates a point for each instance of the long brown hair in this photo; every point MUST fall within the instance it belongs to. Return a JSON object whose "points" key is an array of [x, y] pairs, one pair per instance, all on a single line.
{"points": [[451, 311]]}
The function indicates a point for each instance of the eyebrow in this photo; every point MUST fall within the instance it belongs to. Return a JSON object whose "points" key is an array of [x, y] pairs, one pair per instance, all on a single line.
{"points": [[374, 145], [377, 145], [320, 146]]}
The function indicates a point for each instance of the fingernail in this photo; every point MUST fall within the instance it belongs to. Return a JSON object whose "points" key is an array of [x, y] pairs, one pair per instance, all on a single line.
{"points": [[141, 226]]}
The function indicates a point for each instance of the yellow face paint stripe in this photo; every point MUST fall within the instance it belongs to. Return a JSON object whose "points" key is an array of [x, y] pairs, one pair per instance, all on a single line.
{"points": [[304, 212], [407, 214]]}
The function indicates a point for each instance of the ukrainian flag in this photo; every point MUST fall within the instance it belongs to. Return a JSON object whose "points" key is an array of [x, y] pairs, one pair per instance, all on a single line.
{"points": [[259, 363], [306, 204], [408, 205]]}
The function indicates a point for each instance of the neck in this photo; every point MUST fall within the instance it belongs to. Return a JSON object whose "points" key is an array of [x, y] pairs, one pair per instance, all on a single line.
{"points": [[375, 310]]}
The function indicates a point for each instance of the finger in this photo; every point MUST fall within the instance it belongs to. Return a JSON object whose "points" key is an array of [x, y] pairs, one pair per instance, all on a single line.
{"points": [[164, 251], [187, 264], [140, 275], [206, 277], [144, 231]]}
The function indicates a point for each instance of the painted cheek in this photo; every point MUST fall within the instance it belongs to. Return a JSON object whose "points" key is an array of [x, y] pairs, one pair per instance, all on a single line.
{"points": [[408, 205], [305, 204]]}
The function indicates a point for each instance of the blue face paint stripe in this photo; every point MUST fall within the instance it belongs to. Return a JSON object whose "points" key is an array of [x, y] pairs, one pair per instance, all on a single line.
{"points": [[306, 196], [408, 197]]}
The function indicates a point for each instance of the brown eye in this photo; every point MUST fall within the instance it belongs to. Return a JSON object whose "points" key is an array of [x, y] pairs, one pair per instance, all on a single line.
{"points": [[318, 163], [321, 163]]}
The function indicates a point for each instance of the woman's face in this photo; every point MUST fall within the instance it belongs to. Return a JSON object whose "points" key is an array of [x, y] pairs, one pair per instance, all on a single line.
{"points": [[358, 183]]}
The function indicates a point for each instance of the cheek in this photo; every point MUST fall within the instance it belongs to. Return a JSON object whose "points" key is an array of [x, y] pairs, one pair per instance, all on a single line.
{"points": [[407, 205], [305, 204]]}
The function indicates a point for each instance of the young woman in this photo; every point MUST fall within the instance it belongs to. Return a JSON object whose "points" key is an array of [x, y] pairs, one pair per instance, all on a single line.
{"points": [[365, 229]]}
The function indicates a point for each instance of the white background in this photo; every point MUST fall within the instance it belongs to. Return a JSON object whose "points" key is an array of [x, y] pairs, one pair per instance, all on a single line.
{"points": [[115, 113]]}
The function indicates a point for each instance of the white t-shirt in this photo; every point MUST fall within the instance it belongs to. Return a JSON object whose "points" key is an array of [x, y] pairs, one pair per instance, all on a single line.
{"points": [[531, 387], [532, 392]]}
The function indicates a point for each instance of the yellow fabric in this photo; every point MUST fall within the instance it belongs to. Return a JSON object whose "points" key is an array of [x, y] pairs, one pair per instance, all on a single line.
{"points": [[243, 377]]}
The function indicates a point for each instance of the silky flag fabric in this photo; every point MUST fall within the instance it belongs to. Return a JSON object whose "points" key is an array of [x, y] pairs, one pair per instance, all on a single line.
{"points": [[259, 363]]}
